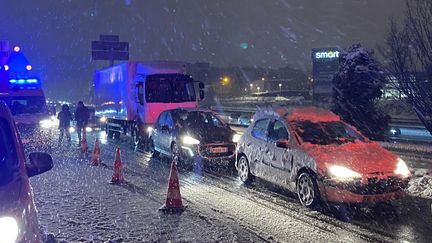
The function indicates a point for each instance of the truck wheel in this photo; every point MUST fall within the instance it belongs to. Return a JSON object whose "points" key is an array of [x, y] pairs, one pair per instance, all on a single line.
{"points": [[117, 135], [244, 170], [307, 190], [136, 136], [110, 134]]}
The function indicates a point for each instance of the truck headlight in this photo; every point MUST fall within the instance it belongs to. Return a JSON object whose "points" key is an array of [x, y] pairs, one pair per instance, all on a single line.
{"points": [[343, 173], [402, 168], [8, 230], [236, 138], [190, 140], [103, 119]]}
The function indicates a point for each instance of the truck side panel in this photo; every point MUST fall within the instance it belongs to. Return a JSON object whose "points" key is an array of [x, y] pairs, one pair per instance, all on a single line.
{"points": [[112, 92]]}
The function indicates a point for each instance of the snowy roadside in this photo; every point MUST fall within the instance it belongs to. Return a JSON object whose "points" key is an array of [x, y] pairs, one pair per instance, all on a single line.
{"points": [[405, 147], [421, 184], [76, 202]]}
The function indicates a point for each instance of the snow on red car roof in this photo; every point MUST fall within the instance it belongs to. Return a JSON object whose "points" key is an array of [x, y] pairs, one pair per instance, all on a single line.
{"points": [[313, 114], [292, 114]]}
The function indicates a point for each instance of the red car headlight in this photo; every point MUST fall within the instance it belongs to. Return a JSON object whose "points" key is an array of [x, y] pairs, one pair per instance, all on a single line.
{"points": [[342, 173], [402, 168]]}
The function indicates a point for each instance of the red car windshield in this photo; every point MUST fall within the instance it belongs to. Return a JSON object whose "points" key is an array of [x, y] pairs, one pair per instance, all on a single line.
{"points": [[8, 159], [325, 133]]}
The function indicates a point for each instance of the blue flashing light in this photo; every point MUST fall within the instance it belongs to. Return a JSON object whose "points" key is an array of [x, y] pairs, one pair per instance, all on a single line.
{"points": [[31, 81]]}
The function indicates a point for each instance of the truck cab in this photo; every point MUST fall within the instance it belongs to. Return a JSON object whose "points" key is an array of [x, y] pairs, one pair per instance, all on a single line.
{"points": [[130, 96]]}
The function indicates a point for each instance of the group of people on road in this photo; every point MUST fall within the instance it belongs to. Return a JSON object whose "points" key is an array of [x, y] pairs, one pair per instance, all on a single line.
{"points": [[65, 117]]}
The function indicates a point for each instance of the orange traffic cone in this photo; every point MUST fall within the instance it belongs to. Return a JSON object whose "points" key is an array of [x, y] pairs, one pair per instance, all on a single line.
{"points": [[84, 146], [173, 202], [117, 176], [96, 160]]}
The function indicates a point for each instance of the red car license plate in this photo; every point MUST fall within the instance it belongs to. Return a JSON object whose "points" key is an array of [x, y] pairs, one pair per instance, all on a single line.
{"points": [[218, 150]]}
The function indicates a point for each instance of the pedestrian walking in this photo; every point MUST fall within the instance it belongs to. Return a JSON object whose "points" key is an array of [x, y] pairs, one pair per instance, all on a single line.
{"points": [[82, 116], [64, 117]]}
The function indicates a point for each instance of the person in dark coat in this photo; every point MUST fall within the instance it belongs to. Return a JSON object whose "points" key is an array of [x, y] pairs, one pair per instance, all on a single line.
{"points": [[64, 117], [82, 116]]}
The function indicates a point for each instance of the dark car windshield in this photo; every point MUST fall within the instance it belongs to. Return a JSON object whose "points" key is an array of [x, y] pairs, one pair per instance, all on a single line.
{"points": [[325, 133], [8, 158], [27, 104], [199, 119], [169, 89]]}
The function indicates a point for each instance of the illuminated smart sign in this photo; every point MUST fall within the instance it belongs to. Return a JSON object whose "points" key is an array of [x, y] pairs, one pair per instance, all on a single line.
{"points": [[327, 54]]}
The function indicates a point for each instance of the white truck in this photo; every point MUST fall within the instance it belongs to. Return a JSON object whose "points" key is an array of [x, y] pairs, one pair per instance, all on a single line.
{"points": [[130, 96]]}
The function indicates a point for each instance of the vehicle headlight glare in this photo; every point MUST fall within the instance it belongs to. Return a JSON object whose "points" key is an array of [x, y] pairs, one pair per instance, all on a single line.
{"points": [[236, 138], [341, 172], [89, 129], [402, 168], [46, 123], [149, 130], [8, 229], [71, 129], [190, 140], [103, 119]]}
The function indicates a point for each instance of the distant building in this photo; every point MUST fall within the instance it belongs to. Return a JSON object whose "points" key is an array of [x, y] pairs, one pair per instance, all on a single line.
{"points": [[325, 64]]}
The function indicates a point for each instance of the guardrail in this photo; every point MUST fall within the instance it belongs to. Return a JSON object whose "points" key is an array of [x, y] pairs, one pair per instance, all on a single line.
{"points": [[400, 129]]}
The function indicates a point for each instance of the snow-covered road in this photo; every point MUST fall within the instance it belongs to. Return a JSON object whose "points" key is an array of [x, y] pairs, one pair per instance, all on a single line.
{"points": [[76, 202]]}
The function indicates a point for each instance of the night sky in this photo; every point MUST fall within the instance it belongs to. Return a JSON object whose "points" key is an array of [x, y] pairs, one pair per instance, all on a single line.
{"points": [[56, 34]]}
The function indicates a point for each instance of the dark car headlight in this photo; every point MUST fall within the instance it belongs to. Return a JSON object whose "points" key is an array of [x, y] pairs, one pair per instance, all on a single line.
{"points": [[188, 140], [236, 138]]}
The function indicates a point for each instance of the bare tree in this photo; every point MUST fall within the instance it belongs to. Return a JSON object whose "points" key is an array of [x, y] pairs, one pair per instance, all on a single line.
{"points": [[409, 54]]}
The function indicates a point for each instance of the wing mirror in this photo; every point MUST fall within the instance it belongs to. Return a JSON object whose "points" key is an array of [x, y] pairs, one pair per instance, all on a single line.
{"points": [[39, 163], [282, 143], [201, 85], [201, 90]]}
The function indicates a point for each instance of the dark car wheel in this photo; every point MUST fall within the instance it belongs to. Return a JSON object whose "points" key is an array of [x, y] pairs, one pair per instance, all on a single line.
{"points": [[181, 161], [307, 190], [153, 152], [175, 152], [244, 171]]}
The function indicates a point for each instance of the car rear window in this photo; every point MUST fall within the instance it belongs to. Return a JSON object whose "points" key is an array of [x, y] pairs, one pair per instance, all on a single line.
{"points": [[8, 158]]}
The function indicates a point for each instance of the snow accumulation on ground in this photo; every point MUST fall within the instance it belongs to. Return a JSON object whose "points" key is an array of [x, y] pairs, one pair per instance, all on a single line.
{"points": [[77, 203], [421, 184]]}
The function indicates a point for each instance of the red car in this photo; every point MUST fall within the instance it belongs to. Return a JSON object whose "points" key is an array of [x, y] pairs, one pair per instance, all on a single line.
{"points": [[313, 152], [18, 215]]}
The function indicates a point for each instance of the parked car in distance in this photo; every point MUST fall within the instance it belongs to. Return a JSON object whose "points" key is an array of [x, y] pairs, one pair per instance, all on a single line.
{"points": [[312, 152], [18, 215], [193, 135]]}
